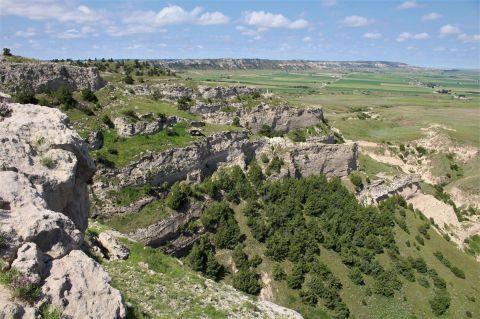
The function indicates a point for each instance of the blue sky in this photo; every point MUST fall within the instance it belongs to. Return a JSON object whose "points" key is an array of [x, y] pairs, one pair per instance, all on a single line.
{"points": [[441, 33]]}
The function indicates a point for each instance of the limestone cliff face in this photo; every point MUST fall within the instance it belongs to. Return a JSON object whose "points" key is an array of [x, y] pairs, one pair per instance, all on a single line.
{"points": [[44, 207], [38, 76], [278, 118], [225, 92]]}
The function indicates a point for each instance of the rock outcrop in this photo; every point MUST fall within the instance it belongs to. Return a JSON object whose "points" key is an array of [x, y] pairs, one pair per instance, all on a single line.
{"points": [[144, 124], [112, 246], [44, 170], [277, 118], [42, 75], [81, 288], [167, 91], [382, 189], [226, 92]]}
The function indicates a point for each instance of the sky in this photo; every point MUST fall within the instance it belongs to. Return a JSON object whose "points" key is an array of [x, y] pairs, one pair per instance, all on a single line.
{"points": [[435, 33]]}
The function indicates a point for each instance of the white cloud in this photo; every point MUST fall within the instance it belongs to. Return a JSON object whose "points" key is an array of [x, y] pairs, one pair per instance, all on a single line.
{"points": [[151, 21], [307, 39], [264, 19], [431, 16], [211, 18], [27, 33], [469, 38], [409, 4], [416, 36], [449, 29], [73, 33], [355, 21], [62, 11], [372, 35], [421, 36], [329, 3]]}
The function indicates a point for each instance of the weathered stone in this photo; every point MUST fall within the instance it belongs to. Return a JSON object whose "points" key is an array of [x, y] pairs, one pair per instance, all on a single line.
{"points": [[113, 247], [144, 125], [226, 92], [277, 118], [383, 189], [42, 75], [31, 262], [38, 143], [95, 140], [80, 288]]}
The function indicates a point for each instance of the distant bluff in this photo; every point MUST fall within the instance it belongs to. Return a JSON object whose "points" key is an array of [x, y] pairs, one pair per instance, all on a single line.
{"points": [[38, 76]]}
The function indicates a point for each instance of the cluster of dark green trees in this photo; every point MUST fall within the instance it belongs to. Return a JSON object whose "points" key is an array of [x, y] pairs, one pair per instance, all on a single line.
{"points": [[295, 219]]}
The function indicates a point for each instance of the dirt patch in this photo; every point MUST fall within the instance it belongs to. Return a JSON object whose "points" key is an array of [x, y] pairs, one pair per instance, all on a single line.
{"points": [[266, 293]]}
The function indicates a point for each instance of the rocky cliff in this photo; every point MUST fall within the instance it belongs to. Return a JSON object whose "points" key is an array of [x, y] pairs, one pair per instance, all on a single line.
{"points": [[39, 76], [382, 189], [226, 92], [278, 118], [44, 208]]}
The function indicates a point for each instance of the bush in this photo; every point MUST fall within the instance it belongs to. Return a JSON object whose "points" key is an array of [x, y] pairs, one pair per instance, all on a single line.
{"points": [[184, 103], [156, 95], [64, 96], [296, 278], [356, 276], [247, 281], [202, 258], [89, 96], [236, 122], [48, 162], [440, 302], [177, 197], [107, 121], [7, 52], [357, 181], [278, 273], [128, 79]]}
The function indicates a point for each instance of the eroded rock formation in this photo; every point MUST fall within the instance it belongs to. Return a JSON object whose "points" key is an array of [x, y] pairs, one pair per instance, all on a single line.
{"points": [[382, 189], [143, 124], [42, 75], [44, 169]]}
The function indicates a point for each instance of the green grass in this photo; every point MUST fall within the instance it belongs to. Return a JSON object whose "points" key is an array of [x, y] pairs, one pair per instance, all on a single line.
{"points": [[130, 148], [148, 215], [473, 246], [371, 167], [158, 286]]}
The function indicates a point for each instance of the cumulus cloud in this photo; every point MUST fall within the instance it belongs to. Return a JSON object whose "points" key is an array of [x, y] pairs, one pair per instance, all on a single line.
{"points": [[372, 35], [431, 16], [355, 21], [469, 38], [27, 33], [61, 11], [269, 20], [73, 33], [307, 39], [449, 29], [409, 4], [415, 36]]}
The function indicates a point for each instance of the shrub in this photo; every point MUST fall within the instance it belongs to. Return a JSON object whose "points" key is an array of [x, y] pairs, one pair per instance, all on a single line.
{"points": [[356, 276], [296, 278], [278, 273], [422, 281], [156, 95], [236, 122], [247, 281], [440, 302], [107, 121], [184, 103], [177, 197], [357, 181], [49, 312], [48, 162], [89, 96], [7, 52], [25, 96], [128, 79], [63, 96], [458, 272]]}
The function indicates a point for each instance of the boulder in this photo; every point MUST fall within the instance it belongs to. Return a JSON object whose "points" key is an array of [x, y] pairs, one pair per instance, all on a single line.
{"points": [[31, 262], [277, 118], [38, 143], [95, 141], [226, 92], [44, 75], [112, 246], [144, 125], [80, 288]]}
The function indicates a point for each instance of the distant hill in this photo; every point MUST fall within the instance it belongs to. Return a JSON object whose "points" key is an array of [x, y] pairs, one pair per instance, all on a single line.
{"points": [[287, 65]]}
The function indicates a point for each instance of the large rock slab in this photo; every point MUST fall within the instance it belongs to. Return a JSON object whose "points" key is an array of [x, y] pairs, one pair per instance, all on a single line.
{"points": [[43, 75], [80, 288], [226, 92], [38, 143], [277, 118]]}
